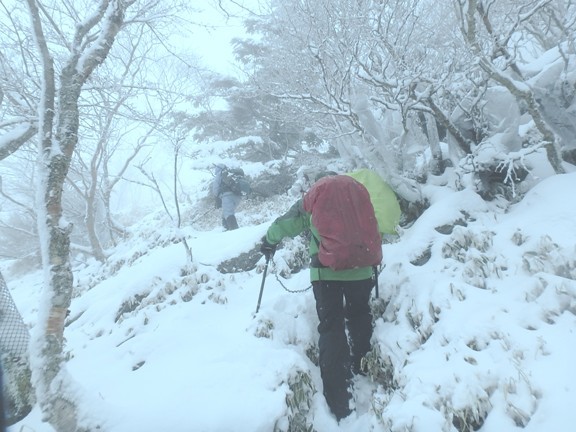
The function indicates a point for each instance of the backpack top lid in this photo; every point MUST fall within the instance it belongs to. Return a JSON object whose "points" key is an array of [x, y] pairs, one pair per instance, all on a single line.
{"points": [[234, 180], [344, 223]]}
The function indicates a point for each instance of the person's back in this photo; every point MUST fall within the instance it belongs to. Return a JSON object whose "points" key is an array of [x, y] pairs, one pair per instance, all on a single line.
{"points": [[343, 223]]}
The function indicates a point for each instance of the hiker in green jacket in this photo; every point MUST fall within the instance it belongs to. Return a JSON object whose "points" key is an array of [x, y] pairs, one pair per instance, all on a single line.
{"points": [[342, 302]]}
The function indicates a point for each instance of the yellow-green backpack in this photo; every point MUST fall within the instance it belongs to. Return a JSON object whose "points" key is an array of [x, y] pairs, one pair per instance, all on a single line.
{"points": [[383, 200]]}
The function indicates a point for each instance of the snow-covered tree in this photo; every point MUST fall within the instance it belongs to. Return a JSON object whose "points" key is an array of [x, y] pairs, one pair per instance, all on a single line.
{"points": [[60, 48], [496, 35], [58, 114], [377, 78], [128, 99]]}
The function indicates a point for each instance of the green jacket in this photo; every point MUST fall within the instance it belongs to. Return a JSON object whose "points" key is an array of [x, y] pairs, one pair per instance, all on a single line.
{"points": [[296, 221]]}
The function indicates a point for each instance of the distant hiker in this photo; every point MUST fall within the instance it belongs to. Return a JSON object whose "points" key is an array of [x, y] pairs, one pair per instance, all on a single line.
{"points": [[227, 188], [345, 245]]}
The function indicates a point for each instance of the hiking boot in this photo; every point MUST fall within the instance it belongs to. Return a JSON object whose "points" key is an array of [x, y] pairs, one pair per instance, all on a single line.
{"points": [[341, 411], [343, 414], [231, 223]]}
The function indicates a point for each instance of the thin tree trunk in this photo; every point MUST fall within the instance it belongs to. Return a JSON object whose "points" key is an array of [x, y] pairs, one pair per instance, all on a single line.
{"points": [[177, 204], [91, 207], [437, 164]]}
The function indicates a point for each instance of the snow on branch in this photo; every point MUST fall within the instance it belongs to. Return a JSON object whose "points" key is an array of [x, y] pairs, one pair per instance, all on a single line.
{"points": [[13, 140], [111, 15]]}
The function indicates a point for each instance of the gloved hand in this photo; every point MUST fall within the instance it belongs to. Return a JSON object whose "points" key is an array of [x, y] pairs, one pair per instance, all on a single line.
{"points": [[267, 248], [218, 202]]}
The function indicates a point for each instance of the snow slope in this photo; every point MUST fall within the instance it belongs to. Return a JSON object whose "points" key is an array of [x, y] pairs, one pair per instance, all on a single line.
{"points": [[477, 334]]}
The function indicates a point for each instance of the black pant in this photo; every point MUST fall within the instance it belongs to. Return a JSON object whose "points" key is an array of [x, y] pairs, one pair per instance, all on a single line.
{"points": [[337, 357]]}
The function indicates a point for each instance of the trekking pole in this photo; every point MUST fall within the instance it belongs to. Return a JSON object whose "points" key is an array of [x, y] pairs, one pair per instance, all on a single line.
{"points": [[262, 285], [375, 268]]}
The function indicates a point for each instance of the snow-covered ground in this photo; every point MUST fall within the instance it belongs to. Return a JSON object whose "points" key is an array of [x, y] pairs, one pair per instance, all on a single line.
{"points": [[478, 331]]}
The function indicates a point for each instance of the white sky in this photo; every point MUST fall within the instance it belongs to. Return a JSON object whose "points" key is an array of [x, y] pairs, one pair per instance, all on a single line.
{"points": [[211, 40]]}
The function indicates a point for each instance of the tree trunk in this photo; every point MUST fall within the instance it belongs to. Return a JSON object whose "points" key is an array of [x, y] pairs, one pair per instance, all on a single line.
{"points": [[463, 143], [91, 210], [53, 385], [189, 257], [437, 164]]}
